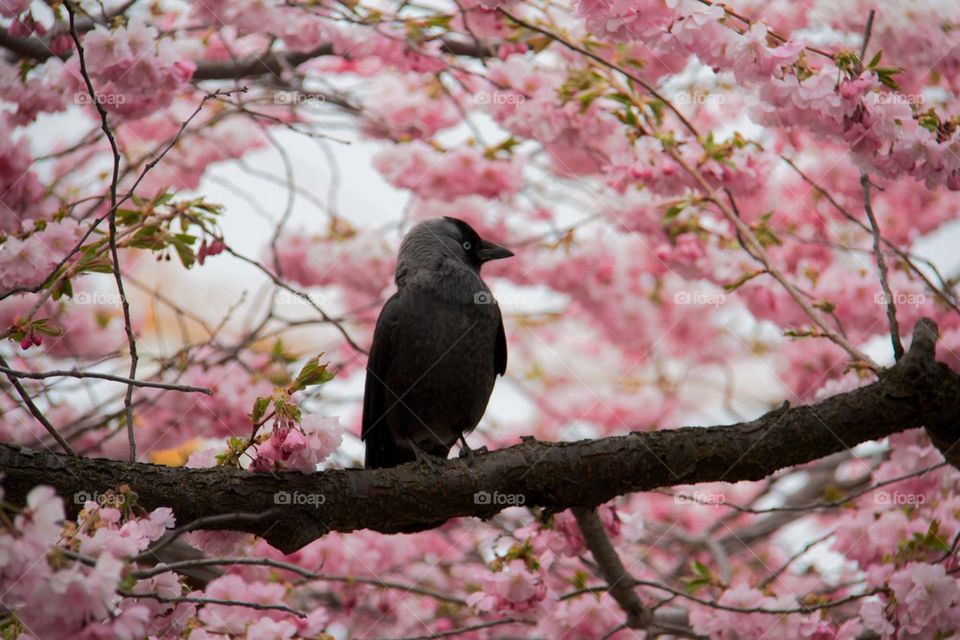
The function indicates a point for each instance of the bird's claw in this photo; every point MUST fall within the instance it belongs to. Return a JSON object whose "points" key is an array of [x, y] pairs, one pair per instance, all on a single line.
{"points": [[467, 452], [431, 461]]}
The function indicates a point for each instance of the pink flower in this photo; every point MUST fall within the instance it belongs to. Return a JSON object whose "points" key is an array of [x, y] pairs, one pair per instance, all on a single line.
{"points": [[874, 618], [400, 107], [624, 20], [134, 71], [448, 175], [233, 620], [924, 594], [29, 261], [514, 587], [300, 447], [11, 8], [270, 629]]}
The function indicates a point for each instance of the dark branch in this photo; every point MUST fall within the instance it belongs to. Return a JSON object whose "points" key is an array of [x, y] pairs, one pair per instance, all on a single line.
{"points": [[620, 582], [272, 63], [916, 391]]}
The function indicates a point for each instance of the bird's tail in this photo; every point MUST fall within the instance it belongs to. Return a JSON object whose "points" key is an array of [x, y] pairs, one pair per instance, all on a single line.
{"points": [[383, 452]]}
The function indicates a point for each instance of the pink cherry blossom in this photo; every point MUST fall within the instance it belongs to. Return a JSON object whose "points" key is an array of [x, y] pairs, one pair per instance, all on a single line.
{"points": [[134, 73]]}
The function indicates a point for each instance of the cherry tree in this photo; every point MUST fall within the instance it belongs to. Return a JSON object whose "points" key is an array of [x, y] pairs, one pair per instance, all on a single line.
{"points": [[722, 213]]}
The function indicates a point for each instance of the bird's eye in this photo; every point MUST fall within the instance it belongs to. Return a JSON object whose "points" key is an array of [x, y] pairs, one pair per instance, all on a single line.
{"points": [[467, 245]]}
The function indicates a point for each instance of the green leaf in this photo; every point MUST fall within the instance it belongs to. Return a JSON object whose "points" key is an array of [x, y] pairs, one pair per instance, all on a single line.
{"points": [[259, 409], [701, 569], [128, 217], [739, 282], [46, 327], [63, 288], [185, 253], [312, 373]]}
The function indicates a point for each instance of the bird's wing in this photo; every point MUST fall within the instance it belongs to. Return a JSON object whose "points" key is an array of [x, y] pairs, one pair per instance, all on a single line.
{"points": [[500, 350], [375, 391]]}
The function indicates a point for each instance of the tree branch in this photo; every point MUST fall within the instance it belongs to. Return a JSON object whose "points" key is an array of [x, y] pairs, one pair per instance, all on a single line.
{"points": [[881, 262], [620, 582], [271, 63], [916, 391]]}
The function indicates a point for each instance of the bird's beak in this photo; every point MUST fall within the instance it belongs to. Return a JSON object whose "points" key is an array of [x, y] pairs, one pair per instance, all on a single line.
{"points": [[489, 251]]}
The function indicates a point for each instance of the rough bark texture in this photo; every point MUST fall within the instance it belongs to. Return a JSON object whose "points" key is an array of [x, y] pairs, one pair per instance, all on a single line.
{"points": [[271, 63], [915, 392]]}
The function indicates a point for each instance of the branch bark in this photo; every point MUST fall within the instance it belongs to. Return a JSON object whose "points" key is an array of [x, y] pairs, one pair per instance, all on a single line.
{"points": [[917, 391], [610, 566], [272, 63]]}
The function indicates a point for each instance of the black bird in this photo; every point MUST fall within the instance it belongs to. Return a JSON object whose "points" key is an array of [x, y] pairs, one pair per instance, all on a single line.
{"points": [[437, 348]]}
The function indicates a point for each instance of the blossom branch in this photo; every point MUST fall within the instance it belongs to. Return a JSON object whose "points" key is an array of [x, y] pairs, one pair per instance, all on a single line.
{"points": [[112, 225], [619, 580], [35, 411], [76, 373], [882, 265], [757, 250], [916, 391]]}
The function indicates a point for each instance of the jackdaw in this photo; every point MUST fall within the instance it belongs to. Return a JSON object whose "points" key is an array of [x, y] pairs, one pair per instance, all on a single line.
{"points": [[437, 347]]}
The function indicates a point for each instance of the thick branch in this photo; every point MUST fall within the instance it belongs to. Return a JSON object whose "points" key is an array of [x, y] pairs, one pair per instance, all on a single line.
{"points": [[916, 391], [611, 568], [272, 63]]}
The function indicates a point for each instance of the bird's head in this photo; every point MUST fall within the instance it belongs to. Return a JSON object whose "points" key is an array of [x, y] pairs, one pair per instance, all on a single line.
{"points": [[436, 240]]}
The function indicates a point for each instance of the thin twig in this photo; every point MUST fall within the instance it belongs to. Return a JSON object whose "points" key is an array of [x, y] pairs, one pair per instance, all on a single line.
{"points": [[35, 412], [202, 523], [112, 222], [882, 265], [867, 32], [300, 571], [569, 45], [75, 373], [228, 603], [452, 633]]}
